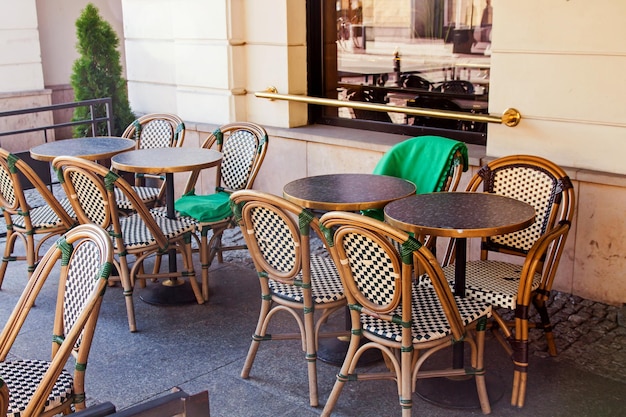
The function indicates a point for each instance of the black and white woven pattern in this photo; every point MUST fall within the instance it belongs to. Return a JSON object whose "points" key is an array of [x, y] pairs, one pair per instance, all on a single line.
{"points": [[494, 282], [429, 321], [532, 186], [372, 269], [136, 234], [91, 198], [83, 275], [44, 217], [275, 240], [146, 194], [6, 186], [156, 133], [238, 153], [325, 283], [22, 378]]}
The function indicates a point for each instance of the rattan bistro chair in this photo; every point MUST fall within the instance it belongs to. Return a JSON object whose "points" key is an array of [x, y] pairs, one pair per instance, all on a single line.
{"points": [[243, 146], [91, 188], [154, 130], [292, 279], [34, 225], [46, 388], [406, 320], [511, 284]]}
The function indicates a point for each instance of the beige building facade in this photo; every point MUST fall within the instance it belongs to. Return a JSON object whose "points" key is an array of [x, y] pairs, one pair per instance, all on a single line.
{"points": [[559, 63]]}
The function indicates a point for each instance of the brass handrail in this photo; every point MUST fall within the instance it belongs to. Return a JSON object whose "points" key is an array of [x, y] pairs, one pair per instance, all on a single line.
{"points": [[511, 117]]}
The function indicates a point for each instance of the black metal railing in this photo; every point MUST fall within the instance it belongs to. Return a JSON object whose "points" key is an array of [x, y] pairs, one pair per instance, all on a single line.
{"points": [[43, 168], [92, 120]]}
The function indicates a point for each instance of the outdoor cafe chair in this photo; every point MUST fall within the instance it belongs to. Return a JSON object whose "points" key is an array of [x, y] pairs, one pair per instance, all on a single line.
{"points": [[91, 188], [243, 146], [80, 262], [516, 282], [34, 221], [292, 279], [154, 130], [406, 320]]}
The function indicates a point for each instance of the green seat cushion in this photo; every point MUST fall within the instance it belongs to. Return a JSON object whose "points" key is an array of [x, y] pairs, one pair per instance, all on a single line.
{"points": [[205, 208]]}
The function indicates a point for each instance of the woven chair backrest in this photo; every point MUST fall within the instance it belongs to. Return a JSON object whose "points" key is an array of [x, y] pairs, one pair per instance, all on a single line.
{"points": [[90, 194], [243, 146], [156, 130], [274, 229], [239, 153], [86, 264], [156, 134], [535, 181]]}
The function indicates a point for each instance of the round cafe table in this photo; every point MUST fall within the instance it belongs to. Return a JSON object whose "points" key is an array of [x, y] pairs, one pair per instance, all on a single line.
{"points": [[94, 149], [346, 192], [167, 161], [459, 215]]}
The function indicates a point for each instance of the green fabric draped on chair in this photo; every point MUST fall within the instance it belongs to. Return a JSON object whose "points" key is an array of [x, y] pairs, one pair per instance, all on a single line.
{"points": [[432, 163]]}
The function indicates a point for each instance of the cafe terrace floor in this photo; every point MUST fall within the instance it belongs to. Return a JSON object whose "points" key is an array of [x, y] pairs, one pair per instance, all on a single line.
{"points": [[202, 347]]}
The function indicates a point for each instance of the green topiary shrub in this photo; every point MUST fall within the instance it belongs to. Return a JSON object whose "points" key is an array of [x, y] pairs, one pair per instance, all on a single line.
{"points": [[97, 73]]}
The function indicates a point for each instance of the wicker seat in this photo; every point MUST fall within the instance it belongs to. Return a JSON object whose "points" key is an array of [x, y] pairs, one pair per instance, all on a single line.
{"points": [[24, 220], [46, 388], [527, 277], [243, 146], [405, 320], [292, 280], [155, 130], [92, 190]]}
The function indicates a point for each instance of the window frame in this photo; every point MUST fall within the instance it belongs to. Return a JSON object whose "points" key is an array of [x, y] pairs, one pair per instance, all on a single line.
{"points": [[322, 80]]}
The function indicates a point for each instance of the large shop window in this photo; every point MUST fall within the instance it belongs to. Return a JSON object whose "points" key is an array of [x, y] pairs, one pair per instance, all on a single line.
{"points": [[432, 54]]}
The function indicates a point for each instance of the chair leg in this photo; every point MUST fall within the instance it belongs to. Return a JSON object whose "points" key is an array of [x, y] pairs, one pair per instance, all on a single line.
{"points": [[539, 302], [215, 246], [406, 368], [342, 376], [311, 355], [204, 262], [127, 288], [8, 251], [31, 256], [190, 273], [479, 366], [258, 337], [520, 359]]}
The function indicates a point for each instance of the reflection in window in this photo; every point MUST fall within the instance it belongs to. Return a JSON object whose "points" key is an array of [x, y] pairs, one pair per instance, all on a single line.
{"points": [[422, 53]]}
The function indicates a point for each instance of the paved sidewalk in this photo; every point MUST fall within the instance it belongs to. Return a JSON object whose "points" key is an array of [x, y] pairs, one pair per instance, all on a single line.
{"points": [[202, 347]]}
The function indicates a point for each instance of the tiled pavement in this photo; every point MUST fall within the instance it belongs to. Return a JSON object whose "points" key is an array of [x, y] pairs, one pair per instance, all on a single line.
{"points": [[202, 347]]}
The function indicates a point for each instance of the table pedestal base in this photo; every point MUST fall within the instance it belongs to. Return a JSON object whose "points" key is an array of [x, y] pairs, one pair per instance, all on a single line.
{"points": [[458, 393], [167, 295], [333, 352]]}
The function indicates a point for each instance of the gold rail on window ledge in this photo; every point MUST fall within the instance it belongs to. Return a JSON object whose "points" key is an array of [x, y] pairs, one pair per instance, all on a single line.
{"points": [[511, 117]]}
